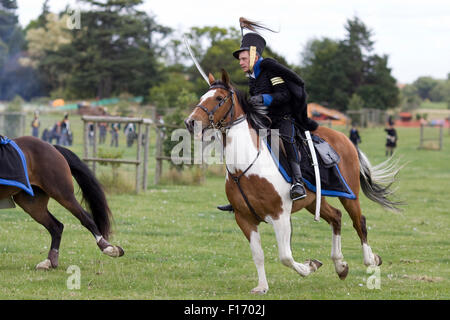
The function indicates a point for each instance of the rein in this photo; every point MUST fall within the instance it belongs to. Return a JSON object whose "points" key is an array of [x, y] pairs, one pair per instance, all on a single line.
{"points": [[222, 126]]}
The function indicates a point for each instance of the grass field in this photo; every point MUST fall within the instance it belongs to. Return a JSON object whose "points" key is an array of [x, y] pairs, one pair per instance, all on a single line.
{"points": [[178, 246]]}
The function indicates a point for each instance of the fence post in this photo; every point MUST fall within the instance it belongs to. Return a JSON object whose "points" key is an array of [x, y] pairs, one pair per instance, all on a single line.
{"points": [[146, 147], [94, 148], [421, 136], [85, 139], [158, 167], [138, 158]]}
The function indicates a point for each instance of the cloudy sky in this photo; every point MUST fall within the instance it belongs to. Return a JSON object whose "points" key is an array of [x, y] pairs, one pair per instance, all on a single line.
{"points": [[414, 33]]}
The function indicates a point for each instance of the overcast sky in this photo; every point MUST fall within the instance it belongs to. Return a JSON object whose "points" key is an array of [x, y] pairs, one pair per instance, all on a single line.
{"points": [[414, 33]]}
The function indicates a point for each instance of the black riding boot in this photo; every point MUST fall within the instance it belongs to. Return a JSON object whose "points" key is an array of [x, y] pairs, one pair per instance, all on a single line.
{"points": [[297, 189]]}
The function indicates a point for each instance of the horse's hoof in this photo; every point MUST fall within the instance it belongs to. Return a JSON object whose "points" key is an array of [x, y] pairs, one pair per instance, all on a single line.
{"points": [[343, 274], [44, 265], [121, 252], [259, 290], [314, 264], [378, 260], [113, 251]]}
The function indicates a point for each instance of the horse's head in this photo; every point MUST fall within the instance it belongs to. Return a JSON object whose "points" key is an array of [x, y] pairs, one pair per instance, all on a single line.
{"points": [[217, 107]]}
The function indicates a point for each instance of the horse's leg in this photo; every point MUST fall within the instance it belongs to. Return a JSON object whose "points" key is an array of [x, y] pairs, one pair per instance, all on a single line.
{"points": [[250, 230], [70, 203], [333, 217], [282, 227], [359, 223], [36, 207]]}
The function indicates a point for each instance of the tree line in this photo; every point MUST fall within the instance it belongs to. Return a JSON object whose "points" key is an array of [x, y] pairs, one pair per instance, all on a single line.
{"points": [[120, 49]]}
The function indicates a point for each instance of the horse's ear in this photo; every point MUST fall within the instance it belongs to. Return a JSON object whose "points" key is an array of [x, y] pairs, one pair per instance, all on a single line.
{"points": [[211, 78], [225, 77]]}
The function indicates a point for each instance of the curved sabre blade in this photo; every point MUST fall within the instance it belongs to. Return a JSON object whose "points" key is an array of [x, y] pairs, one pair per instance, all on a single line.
{"points": [[199, 68]]}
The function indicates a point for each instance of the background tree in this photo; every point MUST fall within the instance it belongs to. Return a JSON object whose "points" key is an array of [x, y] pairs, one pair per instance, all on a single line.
{"points": [[15, 79], [424, 86], [336, 69], [116, 50]]}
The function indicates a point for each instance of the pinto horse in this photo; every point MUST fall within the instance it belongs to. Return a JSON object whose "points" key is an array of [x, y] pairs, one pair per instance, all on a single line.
{"points": [[258, 192], [50, 170]]}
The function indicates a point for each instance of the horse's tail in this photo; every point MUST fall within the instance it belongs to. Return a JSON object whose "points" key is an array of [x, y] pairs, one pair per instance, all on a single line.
{"points": [[92, 190], [376, 181]]}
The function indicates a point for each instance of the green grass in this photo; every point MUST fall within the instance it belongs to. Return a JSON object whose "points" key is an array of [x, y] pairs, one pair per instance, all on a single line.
{"points": [[434, 105], [178, 246]]}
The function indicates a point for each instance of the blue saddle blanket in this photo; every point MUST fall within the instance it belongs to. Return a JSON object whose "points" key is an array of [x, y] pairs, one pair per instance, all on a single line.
{"points": [[332, 182], [13, 166]]}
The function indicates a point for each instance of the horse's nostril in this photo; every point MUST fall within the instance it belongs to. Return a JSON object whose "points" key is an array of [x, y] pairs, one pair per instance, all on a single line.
{"points": [[189, 124]]}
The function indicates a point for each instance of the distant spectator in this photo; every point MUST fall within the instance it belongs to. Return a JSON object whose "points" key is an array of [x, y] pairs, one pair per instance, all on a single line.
{"points": [[354, 135], [103, 127], [130, 133], [115, 128], [35, 124], [55, 133], [65, 131], [391, 140]]}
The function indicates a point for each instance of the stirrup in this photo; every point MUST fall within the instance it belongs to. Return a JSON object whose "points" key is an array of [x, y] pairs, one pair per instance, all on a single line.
{"points": [[297, 196]]}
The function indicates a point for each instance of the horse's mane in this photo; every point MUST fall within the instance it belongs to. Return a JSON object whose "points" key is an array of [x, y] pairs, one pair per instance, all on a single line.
{"points": [[256, 115]]}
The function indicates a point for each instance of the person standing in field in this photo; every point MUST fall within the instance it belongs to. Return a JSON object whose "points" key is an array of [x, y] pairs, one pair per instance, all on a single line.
{"points": [[35, 124], [115, 128], [391, 139], [354, 135]]}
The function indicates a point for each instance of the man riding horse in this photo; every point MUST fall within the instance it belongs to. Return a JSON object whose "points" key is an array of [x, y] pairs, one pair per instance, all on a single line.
{"points": [[282, 92]]}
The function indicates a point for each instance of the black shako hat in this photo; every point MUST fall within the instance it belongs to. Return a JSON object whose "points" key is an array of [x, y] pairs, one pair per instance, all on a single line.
{"points": [[251, 39]]}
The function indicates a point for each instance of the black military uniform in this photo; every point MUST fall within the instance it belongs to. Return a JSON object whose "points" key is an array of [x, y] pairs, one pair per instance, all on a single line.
{"points": [[282, 92]]}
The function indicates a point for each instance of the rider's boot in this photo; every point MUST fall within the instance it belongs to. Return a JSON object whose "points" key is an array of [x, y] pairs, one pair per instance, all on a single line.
{"points": [[297, 189]]}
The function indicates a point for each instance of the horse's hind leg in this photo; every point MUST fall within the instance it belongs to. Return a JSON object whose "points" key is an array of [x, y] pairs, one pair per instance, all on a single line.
{"points": [[70, 203], [359, 223], [282, 227], [36, 207], [333, 217]]}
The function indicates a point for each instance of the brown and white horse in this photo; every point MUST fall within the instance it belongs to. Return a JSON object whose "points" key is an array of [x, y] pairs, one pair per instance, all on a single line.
{"points": [[50, 171], [258, 192]]}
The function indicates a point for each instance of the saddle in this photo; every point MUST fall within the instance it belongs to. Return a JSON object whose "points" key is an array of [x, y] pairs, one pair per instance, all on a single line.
{"points": [[13, 166], [333, 183]]}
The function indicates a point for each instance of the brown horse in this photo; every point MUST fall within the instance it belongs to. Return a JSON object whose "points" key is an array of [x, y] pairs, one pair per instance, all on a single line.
{"points": [[258, 192], [50, 171]]}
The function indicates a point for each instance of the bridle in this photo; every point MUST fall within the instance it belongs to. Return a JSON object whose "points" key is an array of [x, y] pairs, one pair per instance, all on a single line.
{"points": [[222, 125]]}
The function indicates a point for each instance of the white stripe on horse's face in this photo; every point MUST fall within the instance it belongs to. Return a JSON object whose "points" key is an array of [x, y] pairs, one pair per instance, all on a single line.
{"points": [[206, 96]]}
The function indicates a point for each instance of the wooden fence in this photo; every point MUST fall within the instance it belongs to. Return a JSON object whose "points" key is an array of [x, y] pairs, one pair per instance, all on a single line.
{"points": [[141, 163]]}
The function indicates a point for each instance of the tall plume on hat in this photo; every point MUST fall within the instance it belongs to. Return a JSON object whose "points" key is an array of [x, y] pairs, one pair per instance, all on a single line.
{"points": [[252, 25]]}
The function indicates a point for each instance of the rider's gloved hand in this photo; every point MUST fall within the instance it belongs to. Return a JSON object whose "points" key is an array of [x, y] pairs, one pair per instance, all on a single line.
{"points": [[256, 100]]}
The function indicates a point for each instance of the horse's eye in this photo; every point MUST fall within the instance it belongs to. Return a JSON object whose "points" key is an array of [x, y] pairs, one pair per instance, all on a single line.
{"points": [[219, 98]]}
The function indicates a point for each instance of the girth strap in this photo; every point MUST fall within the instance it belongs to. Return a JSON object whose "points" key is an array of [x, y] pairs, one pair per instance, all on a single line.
{"points": [[236, 179]]}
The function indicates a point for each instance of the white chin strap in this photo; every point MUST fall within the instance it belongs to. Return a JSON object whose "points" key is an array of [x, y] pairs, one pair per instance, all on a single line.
{"points": [[252, 58]]}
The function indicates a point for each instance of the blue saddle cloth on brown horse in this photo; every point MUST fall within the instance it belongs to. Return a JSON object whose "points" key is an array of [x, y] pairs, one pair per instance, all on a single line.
{"points": [[332, 182], [13, 166]]}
